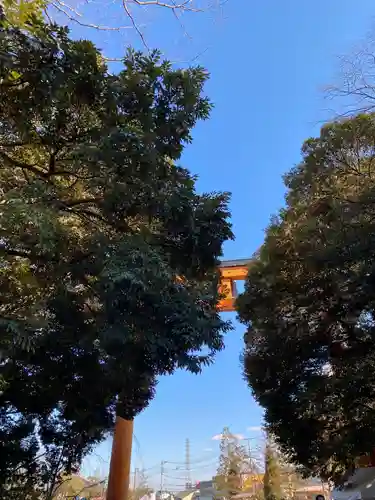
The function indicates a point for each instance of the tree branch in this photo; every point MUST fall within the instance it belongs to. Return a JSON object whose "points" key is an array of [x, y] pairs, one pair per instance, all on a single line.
{"points": [[77, 257], [181, 6], [25, 166], [59, 5], [13, 144], [87, 487], [81, 201], [16, 253], [135, 25], [69, 10]]}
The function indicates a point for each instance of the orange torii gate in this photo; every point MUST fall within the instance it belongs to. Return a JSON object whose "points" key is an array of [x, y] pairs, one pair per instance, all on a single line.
{"points": [[230, 272], [119, 471]]}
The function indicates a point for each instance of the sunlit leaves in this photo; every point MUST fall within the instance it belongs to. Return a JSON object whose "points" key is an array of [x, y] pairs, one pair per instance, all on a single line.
{"points": [[22, 13]]}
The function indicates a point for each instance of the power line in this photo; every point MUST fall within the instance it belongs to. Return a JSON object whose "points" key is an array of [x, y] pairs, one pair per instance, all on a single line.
{"points": [[175, 477], [151, 468], [140, 456], [202, 466], [194, 462], [167, 468], [181, 465]]}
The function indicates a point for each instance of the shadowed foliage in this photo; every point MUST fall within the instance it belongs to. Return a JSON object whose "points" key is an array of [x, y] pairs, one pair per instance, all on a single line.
{"points": [[108, 254], [309, 304]]}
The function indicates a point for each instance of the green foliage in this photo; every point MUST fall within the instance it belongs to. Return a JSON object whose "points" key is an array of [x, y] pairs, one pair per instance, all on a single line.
{"points": [[98, 223], [22, 13], [233, 463], [309, 305], [272, 475]]}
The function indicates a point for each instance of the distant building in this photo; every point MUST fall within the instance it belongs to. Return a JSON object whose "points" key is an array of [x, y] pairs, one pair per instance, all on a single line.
{"points": [[203, 490], [206, 490]]}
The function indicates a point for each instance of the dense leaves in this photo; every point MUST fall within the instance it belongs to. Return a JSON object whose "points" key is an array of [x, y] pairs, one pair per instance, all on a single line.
{"points": [[309, 304], [108, 255]]}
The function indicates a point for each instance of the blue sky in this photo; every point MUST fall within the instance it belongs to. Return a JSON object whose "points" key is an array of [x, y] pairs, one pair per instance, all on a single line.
{"points": [[269, 61]]}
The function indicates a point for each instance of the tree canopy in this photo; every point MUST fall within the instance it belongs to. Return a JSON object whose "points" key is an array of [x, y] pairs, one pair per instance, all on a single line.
{"points": [[309, 304], [108, 254]]}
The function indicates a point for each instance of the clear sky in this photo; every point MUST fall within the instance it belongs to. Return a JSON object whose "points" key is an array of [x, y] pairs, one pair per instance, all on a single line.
{"points": [[269, 61]]}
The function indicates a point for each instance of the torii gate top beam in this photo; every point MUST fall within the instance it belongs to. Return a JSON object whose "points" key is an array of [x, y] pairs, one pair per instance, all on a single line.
{"points": [[231, 271]]}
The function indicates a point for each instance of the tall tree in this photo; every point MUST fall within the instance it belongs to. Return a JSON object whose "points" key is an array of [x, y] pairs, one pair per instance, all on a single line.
{"points": [[272, 475], [108, 254], [309, 304], [233, 463]]}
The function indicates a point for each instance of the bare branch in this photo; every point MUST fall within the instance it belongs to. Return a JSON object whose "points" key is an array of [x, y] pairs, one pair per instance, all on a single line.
{"points": [[15, 163], [355, 90], [47, 15], [133, 10], [87, 487], [57, 4], [182, 6], [135, 25], [66, 6], [177, 16]]}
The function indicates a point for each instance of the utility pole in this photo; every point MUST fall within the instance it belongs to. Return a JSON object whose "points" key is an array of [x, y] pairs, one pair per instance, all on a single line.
{"points": [[252, 470], [251, 461], [248, 446], [135, 480], [161, 478], [187, 465]]}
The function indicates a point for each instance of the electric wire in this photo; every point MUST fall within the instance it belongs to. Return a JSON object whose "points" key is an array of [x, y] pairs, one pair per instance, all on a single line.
{"points": [[202, 466], [171, 467], [140, 456], [194, 462]]}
